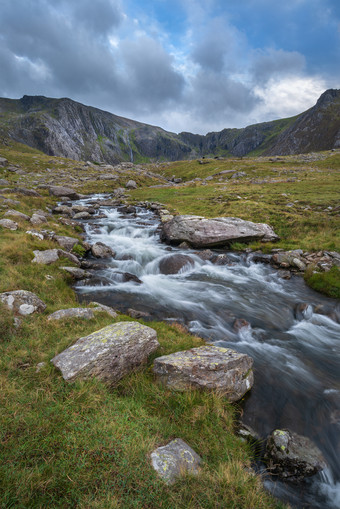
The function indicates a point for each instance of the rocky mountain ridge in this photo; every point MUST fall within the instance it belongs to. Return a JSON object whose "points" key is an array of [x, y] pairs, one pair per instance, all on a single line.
{"points": [[63, 127]]}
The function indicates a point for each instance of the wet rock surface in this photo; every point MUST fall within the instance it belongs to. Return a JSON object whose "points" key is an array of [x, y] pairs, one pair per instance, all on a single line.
{"points": [[173, 264], [207, 367], [292, 457]]}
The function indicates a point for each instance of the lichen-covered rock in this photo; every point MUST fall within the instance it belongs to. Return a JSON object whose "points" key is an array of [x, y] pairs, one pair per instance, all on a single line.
{"points": [[101, 308], [17, 214], [9, 224], [292, 457], [45, 257], [108, 354], [22, 302], [207, 367], [174, 460], [202, 232], [62, 314], [38, 219], [101, 250], [131, 185]]}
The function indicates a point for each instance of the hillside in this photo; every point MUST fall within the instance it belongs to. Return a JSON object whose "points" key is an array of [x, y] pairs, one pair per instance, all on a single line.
{"points": [[62, 127]]}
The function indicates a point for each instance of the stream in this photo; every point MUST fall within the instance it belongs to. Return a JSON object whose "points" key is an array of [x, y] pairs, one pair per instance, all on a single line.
{"points": [[296, 355]]}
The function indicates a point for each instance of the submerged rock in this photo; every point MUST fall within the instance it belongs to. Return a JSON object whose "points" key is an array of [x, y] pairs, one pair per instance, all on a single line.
{"points": [[174, 460], [292, 457], [202, 232], [209, 368], [108, 354], [22, 302], [172, 264]]}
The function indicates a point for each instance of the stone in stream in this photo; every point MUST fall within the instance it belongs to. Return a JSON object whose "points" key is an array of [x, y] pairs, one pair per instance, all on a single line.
{"points": [[108, 354], [66, 242], [207, 367], [292, 457], [101, 250], [174, 460], [76, 272], [22, 302], [62, 314], [9, 224], [202, 232], [172, 264]]}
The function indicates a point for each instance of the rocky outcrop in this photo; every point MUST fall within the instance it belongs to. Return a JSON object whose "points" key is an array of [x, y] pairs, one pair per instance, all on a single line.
{"points": [[108, 354], [207, 367], [201, 232], [175, 460], [64, 191], [292, 457], [22, 302]]}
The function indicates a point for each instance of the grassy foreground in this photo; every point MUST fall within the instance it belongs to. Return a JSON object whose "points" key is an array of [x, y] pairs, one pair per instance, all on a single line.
{"points": [[82, 444]]}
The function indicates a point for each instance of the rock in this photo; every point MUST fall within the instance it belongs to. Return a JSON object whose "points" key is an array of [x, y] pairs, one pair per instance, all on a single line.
{"points": [[38, 235], [292, 457], [66, 242], [102, 308], [303, 311], [4, 182], [207, 367], [63, 209], [46, 257], [3, 162], [126, 277], [9, 224], [108, 354], [205, 255], [288, 259], [69, 256], [131, 185], [134, 313], [27, 192], [101, 250], [240, 323], [174, 460], [22, 302], [38, 219], [76, 272], [16, 213], [64, 191], [72, 313], [174, 263], [82, 215], [202, 232]]}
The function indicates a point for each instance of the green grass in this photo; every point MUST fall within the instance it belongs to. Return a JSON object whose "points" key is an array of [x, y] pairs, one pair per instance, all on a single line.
{"points": [[82, 444], [325, 282]]}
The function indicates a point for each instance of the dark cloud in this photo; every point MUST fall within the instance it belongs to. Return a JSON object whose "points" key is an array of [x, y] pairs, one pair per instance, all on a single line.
{"points": [[276, 63]]}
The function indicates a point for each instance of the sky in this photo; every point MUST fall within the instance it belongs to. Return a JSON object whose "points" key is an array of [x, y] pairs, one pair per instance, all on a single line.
{"points": [[185, 65]]}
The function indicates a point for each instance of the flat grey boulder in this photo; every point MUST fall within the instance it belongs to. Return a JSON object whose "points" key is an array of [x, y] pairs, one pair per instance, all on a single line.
{"points": [[38, 219], [208, 368], [76, 272], [65, 242], [46, 257], [101, 308], [202, 232], [62, 314], [3, 161], [17, 214], [292, 457], [64, 191], [175, 460], [131, 185], [9, 224], [22, 302], [101, 250], [108, 354]]}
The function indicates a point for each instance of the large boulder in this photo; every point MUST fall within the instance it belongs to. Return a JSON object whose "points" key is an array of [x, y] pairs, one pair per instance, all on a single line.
{"points": [[108, 354], [101, 250], [9, 224], [17, 214], [292, 457], [64, 191], [45, 257], [207, 367], [172, 264], [66, 242], [174, 460], [202, 232], [22, 302]]}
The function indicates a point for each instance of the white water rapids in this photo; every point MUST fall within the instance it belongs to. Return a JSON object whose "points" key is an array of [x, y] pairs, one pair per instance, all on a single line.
{"points": [[297, 361]]}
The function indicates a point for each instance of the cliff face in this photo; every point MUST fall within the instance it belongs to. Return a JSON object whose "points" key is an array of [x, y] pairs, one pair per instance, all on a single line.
{"points": [[66, 128]]}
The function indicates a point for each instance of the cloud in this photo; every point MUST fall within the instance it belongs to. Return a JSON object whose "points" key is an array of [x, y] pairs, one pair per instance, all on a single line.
{"points": [[275, 64]]}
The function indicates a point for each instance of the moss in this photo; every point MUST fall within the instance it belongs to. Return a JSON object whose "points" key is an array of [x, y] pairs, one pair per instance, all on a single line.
{"points": [[325, 282]]}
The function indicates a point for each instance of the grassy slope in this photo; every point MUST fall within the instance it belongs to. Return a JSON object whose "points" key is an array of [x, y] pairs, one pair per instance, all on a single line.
{"points": [[84, 445]]}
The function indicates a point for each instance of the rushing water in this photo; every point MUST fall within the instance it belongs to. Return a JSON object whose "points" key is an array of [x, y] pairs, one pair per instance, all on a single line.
{"points": [[297, 360]]}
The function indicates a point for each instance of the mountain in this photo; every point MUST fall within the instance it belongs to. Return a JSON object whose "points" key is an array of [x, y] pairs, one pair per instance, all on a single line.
{"points": [[63, 127]]}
